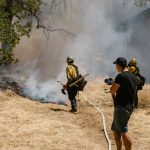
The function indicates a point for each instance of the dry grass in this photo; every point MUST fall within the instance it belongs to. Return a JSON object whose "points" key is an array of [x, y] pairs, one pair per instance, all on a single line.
{"points": [[30, 125], [140, 119], [144, 97]]}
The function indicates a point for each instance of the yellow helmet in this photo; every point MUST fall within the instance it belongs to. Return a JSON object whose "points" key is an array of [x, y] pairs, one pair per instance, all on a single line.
{"points": [[133, 61]]}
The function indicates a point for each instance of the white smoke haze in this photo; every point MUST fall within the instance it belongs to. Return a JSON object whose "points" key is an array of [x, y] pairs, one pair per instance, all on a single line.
{"points": [[45, 91], [95, 46]]}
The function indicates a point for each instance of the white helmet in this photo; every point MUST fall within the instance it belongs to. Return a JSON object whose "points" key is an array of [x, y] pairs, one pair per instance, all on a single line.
{"points": [[70, 59]]}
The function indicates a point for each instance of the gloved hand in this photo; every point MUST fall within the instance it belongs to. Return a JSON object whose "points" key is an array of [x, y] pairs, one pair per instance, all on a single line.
{"points": [[65, 86]]}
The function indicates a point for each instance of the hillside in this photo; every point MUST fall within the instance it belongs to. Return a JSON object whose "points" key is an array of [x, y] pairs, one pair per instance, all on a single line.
{"points": [[31, 125]]}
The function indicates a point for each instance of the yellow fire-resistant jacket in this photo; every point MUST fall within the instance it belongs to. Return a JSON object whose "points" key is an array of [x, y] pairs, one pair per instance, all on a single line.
{"points": [[133, 69], [71, 72]]}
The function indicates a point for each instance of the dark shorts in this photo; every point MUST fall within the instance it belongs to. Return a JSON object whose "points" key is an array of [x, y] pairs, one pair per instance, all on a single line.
{"points": [[121, 118]]}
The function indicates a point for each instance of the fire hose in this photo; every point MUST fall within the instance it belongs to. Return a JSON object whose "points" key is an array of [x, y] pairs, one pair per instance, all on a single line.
{"points": [[103, 117], [104, 120]]}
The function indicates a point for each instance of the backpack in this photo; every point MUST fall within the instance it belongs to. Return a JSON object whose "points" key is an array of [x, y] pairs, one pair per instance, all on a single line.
{"points": [[140, 81], [82, 83]]}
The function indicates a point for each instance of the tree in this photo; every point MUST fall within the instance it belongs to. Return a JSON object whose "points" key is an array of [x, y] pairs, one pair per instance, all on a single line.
{"points": [[16, 19]]}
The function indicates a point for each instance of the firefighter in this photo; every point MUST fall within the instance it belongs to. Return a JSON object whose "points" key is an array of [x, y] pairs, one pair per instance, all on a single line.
{"points": [[133, 68], [72, 74]]}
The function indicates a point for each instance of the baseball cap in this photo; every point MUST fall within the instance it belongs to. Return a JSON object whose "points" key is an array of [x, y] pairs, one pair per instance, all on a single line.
{"points": [[121, 61]]}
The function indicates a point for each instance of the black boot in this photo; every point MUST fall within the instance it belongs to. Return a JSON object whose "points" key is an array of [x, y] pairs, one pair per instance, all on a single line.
{"points": [[73, 110]]}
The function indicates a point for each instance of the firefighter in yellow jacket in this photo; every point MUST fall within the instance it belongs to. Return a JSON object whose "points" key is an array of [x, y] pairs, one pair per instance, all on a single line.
{"points": [[133, 68], [72, 74]]}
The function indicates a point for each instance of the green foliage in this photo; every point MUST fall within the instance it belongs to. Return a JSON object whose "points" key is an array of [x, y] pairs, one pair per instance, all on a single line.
{"points": [[15, 21], [7, 57]]}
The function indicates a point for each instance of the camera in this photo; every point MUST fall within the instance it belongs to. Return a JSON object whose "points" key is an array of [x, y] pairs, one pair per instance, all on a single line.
{"points": [[109, 81]]}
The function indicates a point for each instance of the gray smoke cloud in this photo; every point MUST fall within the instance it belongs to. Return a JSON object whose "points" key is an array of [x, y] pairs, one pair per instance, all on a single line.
{"points": [[95, 45]]}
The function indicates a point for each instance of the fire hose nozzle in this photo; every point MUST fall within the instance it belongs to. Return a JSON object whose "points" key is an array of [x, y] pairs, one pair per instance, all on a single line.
{"points": [[63, 89], [60, 82]]}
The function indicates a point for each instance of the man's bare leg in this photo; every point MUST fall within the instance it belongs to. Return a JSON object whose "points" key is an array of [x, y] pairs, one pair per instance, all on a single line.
{"points": [[118, 141], [127, 141]]}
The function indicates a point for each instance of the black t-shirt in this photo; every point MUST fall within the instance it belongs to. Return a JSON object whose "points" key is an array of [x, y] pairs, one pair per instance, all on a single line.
{"points": [[126, 92]]}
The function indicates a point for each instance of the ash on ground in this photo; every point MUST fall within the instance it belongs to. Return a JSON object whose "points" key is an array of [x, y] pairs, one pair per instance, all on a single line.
{"points": [[8, 83]]}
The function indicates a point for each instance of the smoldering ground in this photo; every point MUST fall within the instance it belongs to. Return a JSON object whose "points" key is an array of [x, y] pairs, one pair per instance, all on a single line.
{"points": [[95, 43]]}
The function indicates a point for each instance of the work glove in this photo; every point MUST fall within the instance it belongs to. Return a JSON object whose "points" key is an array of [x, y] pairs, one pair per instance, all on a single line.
{"points": [[65, 86]]}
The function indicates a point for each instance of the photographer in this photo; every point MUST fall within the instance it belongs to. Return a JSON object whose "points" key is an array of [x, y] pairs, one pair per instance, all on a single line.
{"points": [[123, 90]]}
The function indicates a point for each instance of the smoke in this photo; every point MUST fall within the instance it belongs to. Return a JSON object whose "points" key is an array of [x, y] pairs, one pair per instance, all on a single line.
{"points": [[95, 45]]}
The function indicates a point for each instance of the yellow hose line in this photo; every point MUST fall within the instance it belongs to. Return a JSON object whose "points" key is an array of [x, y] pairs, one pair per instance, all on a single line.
{"points": [[104, 121]]}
